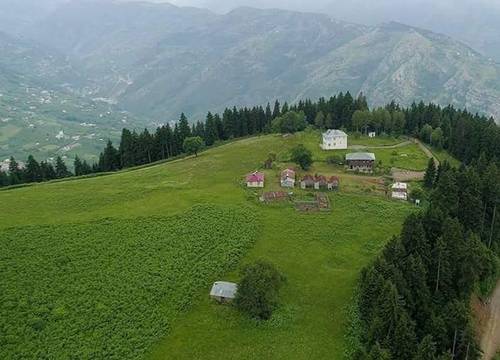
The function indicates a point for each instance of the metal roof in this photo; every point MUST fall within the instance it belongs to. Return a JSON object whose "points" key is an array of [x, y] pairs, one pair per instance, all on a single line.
{"points": [[224, 289], [360, 156], [334, 133]]}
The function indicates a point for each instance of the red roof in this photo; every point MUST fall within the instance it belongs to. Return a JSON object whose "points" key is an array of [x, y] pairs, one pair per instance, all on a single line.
{"points": [[308, 178], [255, 177], [334, 179], [320, 178]]}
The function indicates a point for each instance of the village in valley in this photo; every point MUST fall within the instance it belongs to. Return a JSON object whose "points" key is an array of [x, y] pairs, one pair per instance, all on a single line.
{"points": [[337, 162]]}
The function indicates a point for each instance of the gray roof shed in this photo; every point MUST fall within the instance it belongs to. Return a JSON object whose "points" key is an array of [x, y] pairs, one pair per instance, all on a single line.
{"points": [[223, 289], [360, 156]]}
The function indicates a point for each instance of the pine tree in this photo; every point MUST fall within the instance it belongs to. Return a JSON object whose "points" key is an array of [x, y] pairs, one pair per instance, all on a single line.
{"points": [[426, 349], [15, 172], [47, 171], [430, 174], [210, 130], [184, 130], [77, 164], [377, 353], [320, 120], [127, 149], [276, 110], [61, 169], [109, 159], [32, 172], [4, 179]]}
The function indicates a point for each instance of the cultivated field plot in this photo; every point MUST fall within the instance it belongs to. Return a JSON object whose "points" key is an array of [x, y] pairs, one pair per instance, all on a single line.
{"points": [[110, 289]]}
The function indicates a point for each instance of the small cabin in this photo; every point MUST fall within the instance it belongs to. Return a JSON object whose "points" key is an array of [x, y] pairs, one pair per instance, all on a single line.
{"points": [[288, 178], [307, 181], [333, 183], [255, 180], [223, 291], [320, 182], [400, 191]]}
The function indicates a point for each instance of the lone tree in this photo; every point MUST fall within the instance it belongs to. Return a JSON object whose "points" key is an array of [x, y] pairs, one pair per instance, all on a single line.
{"points": [[430, 174], [192, 145], [302, 156], [258, 290]]}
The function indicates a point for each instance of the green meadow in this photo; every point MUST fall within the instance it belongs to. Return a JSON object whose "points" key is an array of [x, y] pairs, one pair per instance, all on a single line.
{"points": [[159, 236]]}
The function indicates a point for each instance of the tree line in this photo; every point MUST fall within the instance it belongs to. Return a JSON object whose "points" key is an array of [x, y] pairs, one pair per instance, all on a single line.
{"points": [[414, 301], [458, 131]]}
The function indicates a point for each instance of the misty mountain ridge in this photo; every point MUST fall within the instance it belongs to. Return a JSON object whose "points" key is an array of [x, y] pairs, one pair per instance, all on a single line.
{"points": [[158, 60], [161, 60]]}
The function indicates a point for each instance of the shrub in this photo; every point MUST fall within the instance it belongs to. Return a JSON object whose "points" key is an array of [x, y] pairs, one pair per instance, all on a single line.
{"points": [[302, 156], [258, 290], [334, 160]]}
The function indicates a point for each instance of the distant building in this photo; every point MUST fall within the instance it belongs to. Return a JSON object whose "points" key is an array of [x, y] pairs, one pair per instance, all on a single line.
{"points": [[333, 183], [320, 182], [334, 140], [400, 191], [288, 178], [307, 181], [255, 180], [364, 162], [372, 134], [223, 291]]}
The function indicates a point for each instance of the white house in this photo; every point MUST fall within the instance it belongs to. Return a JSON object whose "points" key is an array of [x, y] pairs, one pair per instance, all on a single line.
{"points": [[400, 191], [223, 291], [334, 140]]}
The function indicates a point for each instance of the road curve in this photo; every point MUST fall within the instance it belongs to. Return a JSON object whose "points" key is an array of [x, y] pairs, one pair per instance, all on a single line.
{"points": [[490, 340]]}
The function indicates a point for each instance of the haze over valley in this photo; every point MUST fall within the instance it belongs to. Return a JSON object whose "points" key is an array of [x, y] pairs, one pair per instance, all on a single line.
{"points": [[142, 64]]}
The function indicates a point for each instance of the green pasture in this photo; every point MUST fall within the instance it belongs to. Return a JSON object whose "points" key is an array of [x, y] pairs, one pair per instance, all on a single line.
{"points": [[321, 256]]}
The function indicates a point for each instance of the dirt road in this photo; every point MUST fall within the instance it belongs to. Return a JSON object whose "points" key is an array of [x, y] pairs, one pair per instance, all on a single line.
{"points": [[408, 175], [490, 340]]}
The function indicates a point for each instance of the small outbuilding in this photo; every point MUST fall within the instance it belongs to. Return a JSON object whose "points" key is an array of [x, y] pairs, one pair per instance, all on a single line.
{"points": [[320, 182], [400, 191], [307, 181], [288, 178], [223, 291], [255, 180], [364, 162], [372, 134], [333, 183]]}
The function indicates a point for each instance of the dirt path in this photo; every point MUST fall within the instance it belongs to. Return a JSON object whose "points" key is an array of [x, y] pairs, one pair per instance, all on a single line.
{"points": [[364, 147], [427, 151], [490, 340], [408, 175]]}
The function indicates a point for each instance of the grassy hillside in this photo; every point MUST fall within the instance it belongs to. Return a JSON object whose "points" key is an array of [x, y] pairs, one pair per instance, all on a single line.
{"points": [[320, 254]]}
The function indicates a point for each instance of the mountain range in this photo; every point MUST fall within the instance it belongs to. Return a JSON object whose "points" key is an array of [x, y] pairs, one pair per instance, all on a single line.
{"points": [[153, 61]]}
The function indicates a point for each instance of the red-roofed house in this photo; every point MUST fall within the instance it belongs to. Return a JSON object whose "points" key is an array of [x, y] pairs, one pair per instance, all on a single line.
{"points": [[320, 182], [333, 183], [288, 178], [307, 182], [255, 180]]}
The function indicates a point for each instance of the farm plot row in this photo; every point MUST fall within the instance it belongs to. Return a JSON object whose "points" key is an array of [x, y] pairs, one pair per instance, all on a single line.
{"points": [[110, 289]]}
